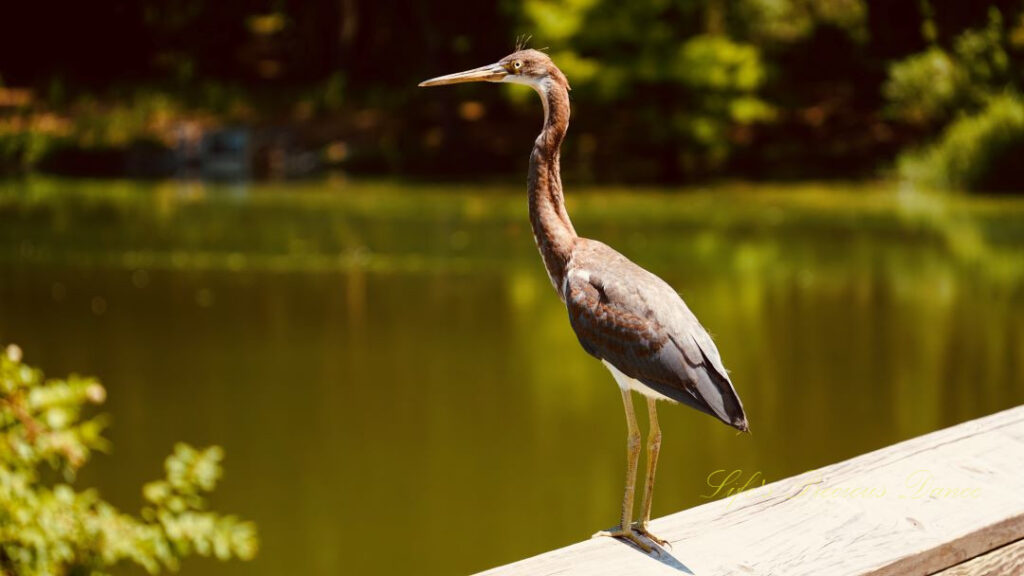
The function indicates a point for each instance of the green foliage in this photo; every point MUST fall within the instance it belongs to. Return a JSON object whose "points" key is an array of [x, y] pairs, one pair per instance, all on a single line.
{"points": [[23, 148], [42, 127], [924, 88], [723, 75], [104, 126], [709, 82], [718, 64], [49, 528], [669, 89], [977, 151], [982, 54], [559, 19], [972, 91], [788, 21], [931, 87]]}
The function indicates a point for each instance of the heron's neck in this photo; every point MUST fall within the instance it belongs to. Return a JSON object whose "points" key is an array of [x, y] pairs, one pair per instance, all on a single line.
{"points": [[552, 229]]}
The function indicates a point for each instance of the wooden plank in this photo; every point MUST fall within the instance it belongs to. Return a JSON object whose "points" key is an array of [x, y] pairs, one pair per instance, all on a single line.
{"points": [[916, 507], [1000, 562]]}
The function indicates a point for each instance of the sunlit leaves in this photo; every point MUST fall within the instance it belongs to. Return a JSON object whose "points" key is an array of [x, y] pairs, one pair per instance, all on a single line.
{"points": [[560, 19], [982, 54], [748, 110], [576, 67], [786, 21], [932, 86], [697, 87], [977, 151], [924, 87], [52, 529], [724, 77], [971, 90], [716, 63]]}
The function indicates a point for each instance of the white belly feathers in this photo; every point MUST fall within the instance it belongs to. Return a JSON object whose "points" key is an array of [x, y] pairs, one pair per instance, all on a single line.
{"points": [[627, 383]]}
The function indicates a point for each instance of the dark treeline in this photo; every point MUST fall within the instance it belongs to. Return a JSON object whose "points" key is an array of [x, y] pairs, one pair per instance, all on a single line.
{"points": [[663, 90]]}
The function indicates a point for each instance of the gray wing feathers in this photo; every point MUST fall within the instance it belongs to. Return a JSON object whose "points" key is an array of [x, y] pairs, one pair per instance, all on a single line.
{"points": [[713, 384], [625, 315]]}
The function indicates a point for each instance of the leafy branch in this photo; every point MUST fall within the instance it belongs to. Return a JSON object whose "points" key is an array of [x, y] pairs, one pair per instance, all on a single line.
{"points": [[49, 528]]}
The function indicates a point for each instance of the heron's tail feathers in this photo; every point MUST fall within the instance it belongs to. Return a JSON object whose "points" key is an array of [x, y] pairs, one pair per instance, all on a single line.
{"points": [[703, 383], [710, 393], [717, 390]]}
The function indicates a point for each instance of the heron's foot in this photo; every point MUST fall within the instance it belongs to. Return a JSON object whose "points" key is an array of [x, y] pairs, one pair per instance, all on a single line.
{"points": [[642, 528], [629, 535]]}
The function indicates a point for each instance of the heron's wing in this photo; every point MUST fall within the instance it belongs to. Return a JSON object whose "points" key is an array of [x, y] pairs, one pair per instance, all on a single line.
{"points": [[631, 318]]}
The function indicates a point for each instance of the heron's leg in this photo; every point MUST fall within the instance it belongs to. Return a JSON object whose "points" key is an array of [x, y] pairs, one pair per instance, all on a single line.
{"points": [[653, 447], [625, 527]]}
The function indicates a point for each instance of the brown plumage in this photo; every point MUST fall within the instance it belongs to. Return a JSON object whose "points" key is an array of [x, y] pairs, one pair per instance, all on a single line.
{"points": [[623, 315]]}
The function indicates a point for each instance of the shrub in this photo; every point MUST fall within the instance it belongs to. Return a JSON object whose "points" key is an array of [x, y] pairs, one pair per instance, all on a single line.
{"points": [[980, 151], [723, 77], [924, 88], [49, 528]]}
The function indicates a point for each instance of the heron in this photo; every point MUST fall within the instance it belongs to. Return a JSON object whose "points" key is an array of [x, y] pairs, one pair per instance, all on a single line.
{"points": [[628, 318]]}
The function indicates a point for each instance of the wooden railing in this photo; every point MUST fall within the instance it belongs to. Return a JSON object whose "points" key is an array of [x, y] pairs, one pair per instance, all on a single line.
{"points": [[950, 502]]}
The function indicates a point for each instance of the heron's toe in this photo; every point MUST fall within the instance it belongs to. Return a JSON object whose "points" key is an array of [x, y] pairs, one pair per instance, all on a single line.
{"points": [[629, 535], [642, 528]]}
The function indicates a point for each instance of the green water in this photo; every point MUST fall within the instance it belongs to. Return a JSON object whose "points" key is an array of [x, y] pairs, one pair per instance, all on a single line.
{"points": [[395, 381]]}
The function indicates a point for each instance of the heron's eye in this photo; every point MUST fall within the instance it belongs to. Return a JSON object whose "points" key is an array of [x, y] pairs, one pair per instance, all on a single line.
{"points": [[517, 64]]}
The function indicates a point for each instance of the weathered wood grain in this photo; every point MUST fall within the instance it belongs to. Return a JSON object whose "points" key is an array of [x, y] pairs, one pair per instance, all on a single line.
{"points": [[916, 507], [1005, 561]]}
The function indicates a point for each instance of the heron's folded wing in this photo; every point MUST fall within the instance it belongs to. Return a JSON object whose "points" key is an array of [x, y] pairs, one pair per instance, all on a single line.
{"points": [[648, 335]]}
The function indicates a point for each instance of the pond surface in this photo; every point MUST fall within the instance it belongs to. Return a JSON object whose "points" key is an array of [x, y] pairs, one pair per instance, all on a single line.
{"points": [[396, 384]]}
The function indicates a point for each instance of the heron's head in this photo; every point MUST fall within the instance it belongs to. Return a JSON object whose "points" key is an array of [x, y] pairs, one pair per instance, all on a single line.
{"points": [[531, 67]]}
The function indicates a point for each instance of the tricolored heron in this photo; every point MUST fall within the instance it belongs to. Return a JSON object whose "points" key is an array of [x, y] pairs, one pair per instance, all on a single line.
{"points": [[623, 315]]}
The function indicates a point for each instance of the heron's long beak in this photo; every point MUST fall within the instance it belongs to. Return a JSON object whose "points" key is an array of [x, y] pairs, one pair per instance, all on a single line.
{"points": [[489, 73]]}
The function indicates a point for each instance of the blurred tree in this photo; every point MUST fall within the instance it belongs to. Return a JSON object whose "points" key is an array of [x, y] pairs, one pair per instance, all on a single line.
{"points": [[979, 151], [697, 83], [924, 88], [50, 529], [689, 88], [713, 75], [963, 85], [790, 21], [932, 86]]}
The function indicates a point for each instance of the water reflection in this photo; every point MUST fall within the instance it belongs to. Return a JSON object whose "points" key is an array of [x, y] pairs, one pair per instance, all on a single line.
{"points": [[398, 389]]}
